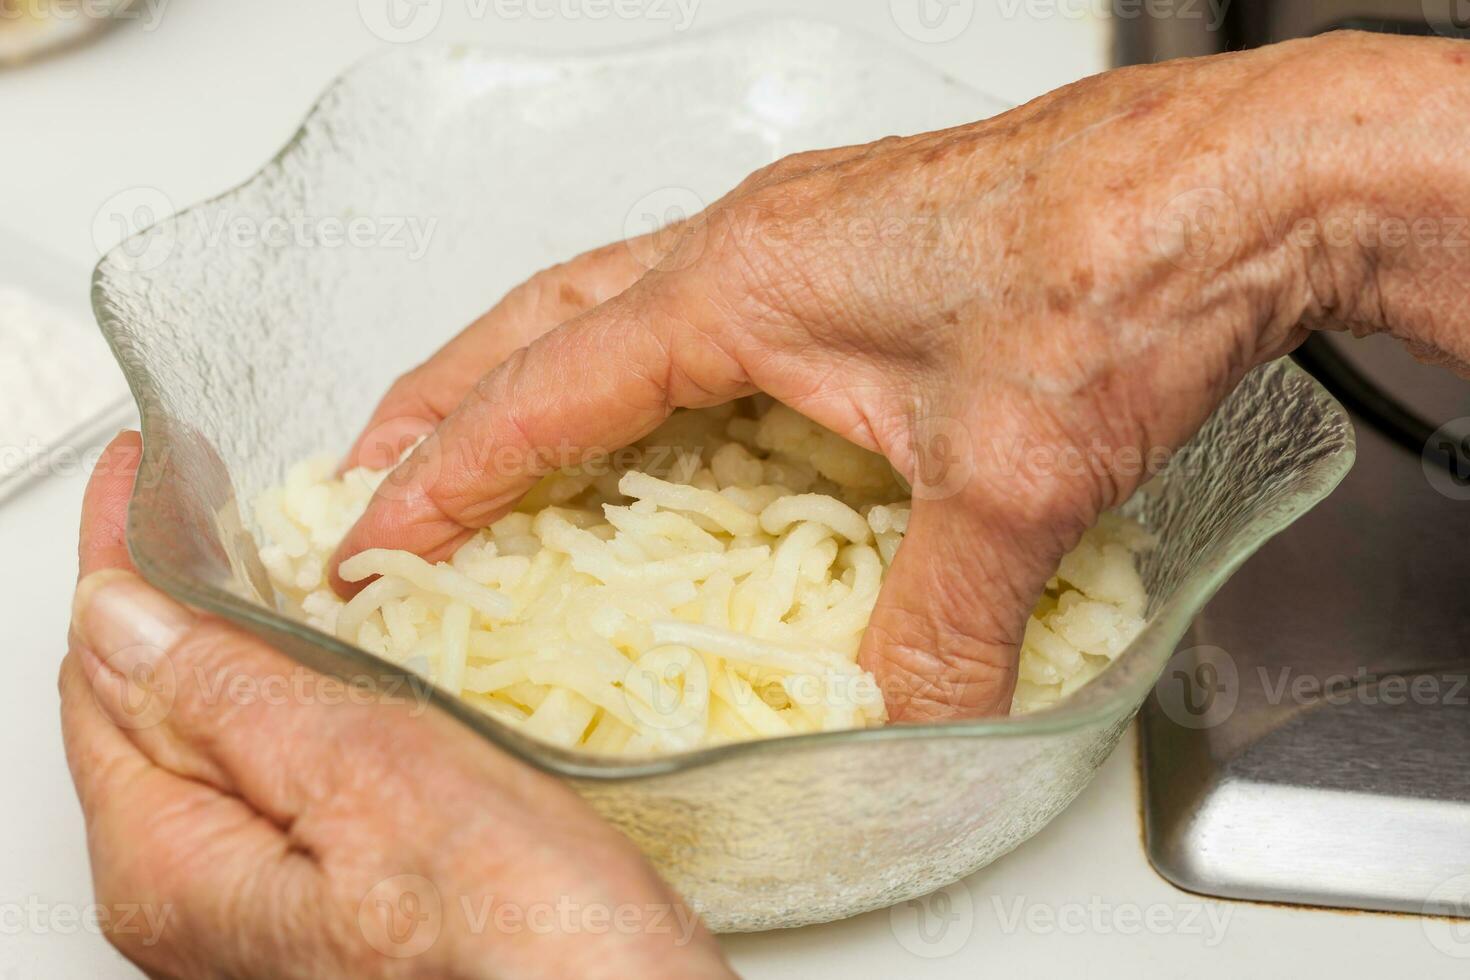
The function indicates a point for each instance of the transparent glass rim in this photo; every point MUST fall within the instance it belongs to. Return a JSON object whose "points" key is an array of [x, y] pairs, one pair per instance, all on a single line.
{"points": [[1118, 691]]}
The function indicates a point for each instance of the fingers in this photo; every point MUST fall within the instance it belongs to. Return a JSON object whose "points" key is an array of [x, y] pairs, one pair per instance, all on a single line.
{"points": [[121, 794], [103, 763], [944, 636], [103, 539], [166, 850], [190, 694], [204, 701], [164, 845], [982, 541], [593, 385], [426, 395]]}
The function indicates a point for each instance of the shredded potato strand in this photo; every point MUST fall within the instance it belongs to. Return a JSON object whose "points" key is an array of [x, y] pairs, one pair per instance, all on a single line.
{"points": [[712, 587]]}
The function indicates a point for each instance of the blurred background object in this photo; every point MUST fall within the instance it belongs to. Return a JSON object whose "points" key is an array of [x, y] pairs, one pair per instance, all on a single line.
{"points": [[59, 386], [29, 28]]}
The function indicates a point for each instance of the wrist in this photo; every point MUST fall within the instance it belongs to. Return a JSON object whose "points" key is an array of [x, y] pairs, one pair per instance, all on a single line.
{"points": [[1379, 214]]}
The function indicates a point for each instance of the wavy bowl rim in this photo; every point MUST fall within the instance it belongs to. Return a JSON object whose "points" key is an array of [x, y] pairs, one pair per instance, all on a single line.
{"points": [[1093, 706]]}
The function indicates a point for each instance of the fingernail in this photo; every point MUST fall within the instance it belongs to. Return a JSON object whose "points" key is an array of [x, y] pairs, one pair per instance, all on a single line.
{"points": [[125, 621]]}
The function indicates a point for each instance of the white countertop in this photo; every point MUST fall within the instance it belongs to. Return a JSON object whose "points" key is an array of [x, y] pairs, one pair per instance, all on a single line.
{"points": [[191, 104]]}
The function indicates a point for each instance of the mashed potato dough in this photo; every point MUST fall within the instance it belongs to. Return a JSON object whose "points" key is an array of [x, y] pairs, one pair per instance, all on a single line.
{"points": [[709, 585]]}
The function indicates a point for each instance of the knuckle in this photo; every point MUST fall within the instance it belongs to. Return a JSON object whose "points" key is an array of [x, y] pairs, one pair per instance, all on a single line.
{"points": [[487, 389], [932, 667], [775, 243], [745, 248], [545, 289], [793, 165], [515, 422]]}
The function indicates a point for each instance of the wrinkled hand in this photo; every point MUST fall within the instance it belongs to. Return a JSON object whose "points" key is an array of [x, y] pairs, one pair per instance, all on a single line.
{"points": [[1024, 315], [247, 818]]}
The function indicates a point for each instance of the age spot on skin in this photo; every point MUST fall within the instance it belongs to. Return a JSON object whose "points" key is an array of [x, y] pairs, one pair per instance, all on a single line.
{"points": [[1058, 300], [936, 153], [571, 296]]}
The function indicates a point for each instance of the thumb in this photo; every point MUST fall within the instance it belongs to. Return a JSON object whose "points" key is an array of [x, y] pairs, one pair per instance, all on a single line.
{"points": [[592, 385]]}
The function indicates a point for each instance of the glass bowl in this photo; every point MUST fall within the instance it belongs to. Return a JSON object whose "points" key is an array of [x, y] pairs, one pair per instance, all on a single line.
{"points": [[253, 335]]}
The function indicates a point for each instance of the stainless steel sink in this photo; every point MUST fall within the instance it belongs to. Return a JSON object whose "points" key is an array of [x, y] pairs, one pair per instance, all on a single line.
{"points": [[1310, 743]]}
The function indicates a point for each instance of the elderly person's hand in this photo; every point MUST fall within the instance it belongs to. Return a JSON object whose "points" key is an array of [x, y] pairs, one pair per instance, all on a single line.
{"points": [[1024, 315], [264, 821]]}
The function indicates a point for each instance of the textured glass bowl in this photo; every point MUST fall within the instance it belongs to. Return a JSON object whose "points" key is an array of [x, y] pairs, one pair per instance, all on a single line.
{"points": [[247, 353]]}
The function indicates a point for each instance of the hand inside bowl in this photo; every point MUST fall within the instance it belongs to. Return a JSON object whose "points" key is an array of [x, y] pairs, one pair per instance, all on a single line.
{"points": [[1025, 316]]}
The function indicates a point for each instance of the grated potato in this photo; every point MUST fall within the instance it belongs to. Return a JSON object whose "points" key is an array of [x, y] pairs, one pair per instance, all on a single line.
{"points": [[714, 588]]}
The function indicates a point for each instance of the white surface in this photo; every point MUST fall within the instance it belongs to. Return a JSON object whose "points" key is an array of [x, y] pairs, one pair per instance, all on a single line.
{"points": [[59, 386], [194, 105]]}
